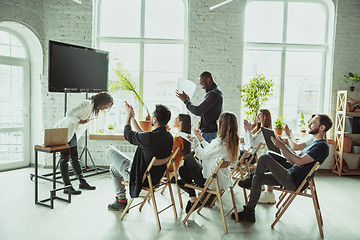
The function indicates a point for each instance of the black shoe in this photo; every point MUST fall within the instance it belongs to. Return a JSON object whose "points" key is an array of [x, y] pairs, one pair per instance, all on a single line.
{"points": [[85, 185], [190, 204], [73, 191], [247, 215], [245, 183], [117, 206]]}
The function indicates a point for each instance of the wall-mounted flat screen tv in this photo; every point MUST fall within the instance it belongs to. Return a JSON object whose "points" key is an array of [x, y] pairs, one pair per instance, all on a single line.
{"points": [[77, 69]]}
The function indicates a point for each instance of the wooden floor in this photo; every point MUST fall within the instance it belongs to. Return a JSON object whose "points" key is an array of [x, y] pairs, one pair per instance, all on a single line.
{"points": [[87, 216]]}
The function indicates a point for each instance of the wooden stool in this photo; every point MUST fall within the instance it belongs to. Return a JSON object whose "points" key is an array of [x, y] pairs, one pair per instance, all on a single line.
{"points": [[53, 150]]}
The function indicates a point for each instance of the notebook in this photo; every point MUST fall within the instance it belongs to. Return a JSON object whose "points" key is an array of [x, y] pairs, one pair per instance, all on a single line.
{"points": [[267, 134], [270, 145], [55, 137]]}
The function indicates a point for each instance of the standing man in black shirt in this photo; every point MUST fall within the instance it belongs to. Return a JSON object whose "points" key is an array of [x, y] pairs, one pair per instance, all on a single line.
{"points": [[209, 109]]}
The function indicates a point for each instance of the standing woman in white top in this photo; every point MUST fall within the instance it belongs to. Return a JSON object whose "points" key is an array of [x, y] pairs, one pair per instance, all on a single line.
{"points": [[225, 146], [77, 121], [253, 138]]}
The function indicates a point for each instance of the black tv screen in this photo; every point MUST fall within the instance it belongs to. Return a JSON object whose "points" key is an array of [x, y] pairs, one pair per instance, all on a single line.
{"points": [[77, 69]]}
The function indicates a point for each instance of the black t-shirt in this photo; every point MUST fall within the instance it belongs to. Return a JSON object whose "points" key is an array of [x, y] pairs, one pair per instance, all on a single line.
{"points": [[318, 150]]}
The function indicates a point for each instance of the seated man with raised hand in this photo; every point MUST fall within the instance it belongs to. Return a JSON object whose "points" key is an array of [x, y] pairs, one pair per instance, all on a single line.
{"points": [[289, 171], [157, 143]]}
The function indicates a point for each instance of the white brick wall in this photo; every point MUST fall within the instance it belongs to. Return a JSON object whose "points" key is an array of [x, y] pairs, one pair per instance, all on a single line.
{"points": [[215, 45]]}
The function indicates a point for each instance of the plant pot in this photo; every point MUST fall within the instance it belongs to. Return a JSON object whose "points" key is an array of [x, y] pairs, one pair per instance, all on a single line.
{"points": [[303, 130], [352, 88], [145, 125], [278, 131]]}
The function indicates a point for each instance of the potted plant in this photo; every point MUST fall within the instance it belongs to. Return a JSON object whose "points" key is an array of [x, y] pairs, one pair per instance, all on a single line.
{"points": [[126, 83], [352, 78], [255, 94], [302, 124], [279, 124]]}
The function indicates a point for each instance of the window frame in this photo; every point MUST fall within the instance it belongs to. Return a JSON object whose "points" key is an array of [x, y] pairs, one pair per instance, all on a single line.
{"points": [[25, 64], [142, 40], [326, 49]]}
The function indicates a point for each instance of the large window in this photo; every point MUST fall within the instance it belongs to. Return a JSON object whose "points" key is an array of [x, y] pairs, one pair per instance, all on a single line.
{"points": [[149, 39], [288, 41], [14, 101]]}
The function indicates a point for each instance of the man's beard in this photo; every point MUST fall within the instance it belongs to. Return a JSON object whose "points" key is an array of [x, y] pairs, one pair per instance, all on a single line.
{"points": [[314, 131]]}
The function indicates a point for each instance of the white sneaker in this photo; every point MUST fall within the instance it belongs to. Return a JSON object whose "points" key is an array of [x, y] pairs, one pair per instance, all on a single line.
{"points": [[267, 197]]}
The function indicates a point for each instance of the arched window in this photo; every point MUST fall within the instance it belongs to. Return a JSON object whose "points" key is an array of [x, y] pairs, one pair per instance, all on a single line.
{"points": [[290, 42], [149, 39], [14, 100]]}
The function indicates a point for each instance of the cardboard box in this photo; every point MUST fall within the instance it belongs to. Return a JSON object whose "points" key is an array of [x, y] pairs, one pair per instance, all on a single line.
{"points": [[347, 144]]}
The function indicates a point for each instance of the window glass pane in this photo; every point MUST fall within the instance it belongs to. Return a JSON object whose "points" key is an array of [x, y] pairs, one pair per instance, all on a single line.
{"points": [[267, 63], [11, 96], [163, 67], [164, 57], [4, 38], [302, 85], [164, 19], [11, 45], [264, 21], [127, 54], [120, 18], [11, 147], [306, 23]]}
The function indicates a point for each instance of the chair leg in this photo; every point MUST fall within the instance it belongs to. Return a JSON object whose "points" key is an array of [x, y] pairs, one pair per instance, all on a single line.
{"points": [[152, 196], [205, 201], [179, 193], [317, 202], [218, 194], [234, 203], [194, 205], [283, 209], [171, 195], [163, 190], [126, 209], [281, 198], [245, 196], [143, 203], [317, 210]]}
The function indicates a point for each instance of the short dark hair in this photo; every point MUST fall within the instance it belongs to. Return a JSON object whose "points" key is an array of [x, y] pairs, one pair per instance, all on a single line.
{"points": [[162, 113], [206, 75], [325, 120]]}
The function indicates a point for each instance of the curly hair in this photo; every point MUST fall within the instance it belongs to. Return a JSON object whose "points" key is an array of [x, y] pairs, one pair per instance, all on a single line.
{"points": [[100, 99]]}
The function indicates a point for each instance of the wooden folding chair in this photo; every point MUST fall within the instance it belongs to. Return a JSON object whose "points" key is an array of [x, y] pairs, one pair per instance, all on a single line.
{"points": [[242, 168], [293, 194], [151, 189], [173, 175], [218, 192]]}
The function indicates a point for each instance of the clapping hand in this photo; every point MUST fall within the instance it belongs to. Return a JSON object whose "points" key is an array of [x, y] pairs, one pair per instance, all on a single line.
{"points": [[278, 142], [130, 110], [198, 135], [182, 95], [247, 125]]}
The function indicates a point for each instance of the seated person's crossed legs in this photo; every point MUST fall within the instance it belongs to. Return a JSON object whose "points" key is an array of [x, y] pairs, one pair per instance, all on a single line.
{"points": [[278, 175]]}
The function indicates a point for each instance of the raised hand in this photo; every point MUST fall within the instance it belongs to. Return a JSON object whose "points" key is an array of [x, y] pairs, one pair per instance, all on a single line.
{"points": [[247, 125], [287, 130], [182, 95]]}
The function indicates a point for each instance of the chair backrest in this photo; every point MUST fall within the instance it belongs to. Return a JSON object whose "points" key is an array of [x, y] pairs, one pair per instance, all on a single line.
{"points": [[172, 157], [308, 177], [154, 162]]}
